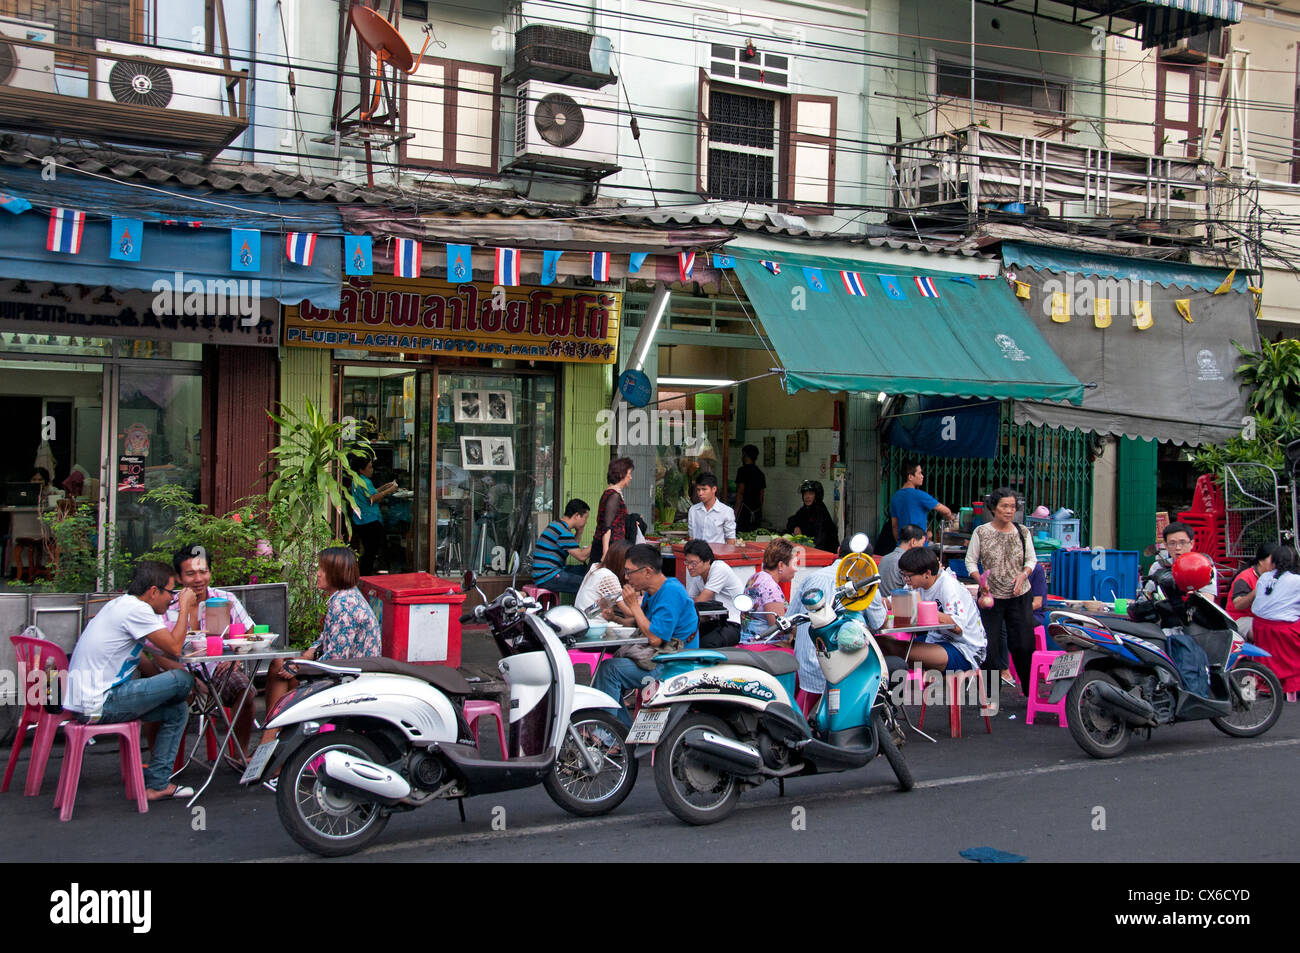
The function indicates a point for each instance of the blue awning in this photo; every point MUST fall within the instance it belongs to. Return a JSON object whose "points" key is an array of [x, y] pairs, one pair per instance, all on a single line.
{"points": [[200, 253], [1098, 265]]}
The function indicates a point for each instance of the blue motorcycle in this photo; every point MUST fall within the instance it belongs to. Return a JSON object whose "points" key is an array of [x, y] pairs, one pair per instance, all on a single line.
{"points": [[1176, 659], [722, 721]]}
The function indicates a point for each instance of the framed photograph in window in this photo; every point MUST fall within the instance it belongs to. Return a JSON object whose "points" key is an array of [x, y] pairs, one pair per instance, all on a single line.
{"points": [[500, 407], [467, 406], [473, 454], [499, 452]]}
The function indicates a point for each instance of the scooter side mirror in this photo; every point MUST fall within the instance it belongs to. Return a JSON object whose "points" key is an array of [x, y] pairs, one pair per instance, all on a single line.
{"points": [[743, 603], [514, 570], [858, 543], [468, 581]]}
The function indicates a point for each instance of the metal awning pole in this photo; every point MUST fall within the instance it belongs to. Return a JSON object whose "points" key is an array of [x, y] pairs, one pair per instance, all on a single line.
{"points": [[972, 62]]}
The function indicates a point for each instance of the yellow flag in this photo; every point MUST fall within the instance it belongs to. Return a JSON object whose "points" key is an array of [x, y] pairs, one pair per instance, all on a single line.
{"points": [[1022, 290], [1184, 306], [1224, 288], [1101, 312], [1060, 307], [1142, 315]]}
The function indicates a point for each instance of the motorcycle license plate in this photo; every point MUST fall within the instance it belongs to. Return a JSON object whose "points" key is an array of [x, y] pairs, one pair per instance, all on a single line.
{"points": [[257, 764], [649, 725], [1067, 666]]}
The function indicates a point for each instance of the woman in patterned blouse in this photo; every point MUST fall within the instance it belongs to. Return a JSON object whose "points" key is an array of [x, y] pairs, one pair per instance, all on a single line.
{"points": [[350, 629]]}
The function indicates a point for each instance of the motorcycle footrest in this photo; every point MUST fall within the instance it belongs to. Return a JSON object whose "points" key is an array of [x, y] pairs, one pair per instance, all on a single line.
{"points": [[483, 776]]}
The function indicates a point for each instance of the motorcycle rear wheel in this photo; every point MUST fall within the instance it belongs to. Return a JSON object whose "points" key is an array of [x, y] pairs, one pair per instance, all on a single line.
{"points": [[1099, 732], [902, 770], [1264, 690], [324, 821], [571, 786], [694, 792]]}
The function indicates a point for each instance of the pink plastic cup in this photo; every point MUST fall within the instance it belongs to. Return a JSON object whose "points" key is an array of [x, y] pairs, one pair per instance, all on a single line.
{"points": [[214, 645], [236, 629], [927, 613]]}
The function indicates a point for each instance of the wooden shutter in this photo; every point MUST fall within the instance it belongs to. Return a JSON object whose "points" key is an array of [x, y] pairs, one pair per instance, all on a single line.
{"points": [[808, 180], [452, 111], [475, 121], [702, 132]]}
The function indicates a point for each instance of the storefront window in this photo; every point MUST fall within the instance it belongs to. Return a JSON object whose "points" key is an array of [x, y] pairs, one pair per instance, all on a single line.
{"points": [[136, 348], [694, 437], [495, 467], [61, 344]]}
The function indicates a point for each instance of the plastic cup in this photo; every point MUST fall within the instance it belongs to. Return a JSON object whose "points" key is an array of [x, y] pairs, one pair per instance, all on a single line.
{"points": [[236, 629], [214, 645], [261, 630], [1121, 607]]}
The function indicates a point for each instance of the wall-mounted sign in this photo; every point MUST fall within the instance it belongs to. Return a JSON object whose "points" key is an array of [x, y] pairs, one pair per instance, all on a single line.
{"points": [[434, 317], [634, 385], [130, 474]]}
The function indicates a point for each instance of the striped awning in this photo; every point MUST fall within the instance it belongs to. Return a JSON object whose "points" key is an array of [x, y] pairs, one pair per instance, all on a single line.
{"points": [[1167, 21]]}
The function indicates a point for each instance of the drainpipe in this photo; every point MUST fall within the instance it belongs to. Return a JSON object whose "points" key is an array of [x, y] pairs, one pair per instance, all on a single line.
{"points": [[250, 139]]}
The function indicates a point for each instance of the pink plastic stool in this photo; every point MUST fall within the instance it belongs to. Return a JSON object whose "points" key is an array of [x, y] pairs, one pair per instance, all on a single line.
{"points": [[35, 655], [476, 708], [1039, 664], [76, 737], [545, 597], [590, 659]]}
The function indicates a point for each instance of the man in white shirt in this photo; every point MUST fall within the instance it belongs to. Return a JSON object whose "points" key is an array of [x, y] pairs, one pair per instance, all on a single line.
{"points": [[710, 519], [100, 686], [960, 646], [709, 579]]}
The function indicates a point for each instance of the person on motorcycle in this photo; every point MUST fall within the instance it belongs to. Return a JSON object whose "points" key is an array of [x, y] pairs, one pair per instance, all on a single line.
{"points": [[1179, 538], [960, 646], [661, 610]]}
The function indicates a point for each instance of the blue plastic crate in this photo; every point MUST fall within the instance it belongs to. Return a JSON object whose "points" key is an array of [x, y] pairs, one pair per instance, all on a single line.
{"points": [[1065, 532], [1075, 577]]}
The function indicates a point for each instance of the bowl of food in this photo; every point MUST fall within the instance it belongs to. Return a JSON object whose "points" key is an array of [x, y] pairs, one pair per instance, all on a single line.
{"points": [[595, 629], [238, 643]]}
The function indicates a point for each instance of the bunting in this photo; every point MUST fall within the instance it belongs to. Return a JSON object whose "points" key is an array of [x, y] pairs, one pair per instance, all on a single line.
{"points": [[925, 285], [773, 266], [300, 247], [245, 249], [125, 239], [724, 262], [685, 264], [1101, 312], [892, 289], [600, 266], [814, 278], [1060, 307], [550, 266], [408, 258], [507, 267], [1142, 315], [357, 258], [14, 203], [460, 263], [853, 283], [1184, 306], [65, 231], [636, 260]]}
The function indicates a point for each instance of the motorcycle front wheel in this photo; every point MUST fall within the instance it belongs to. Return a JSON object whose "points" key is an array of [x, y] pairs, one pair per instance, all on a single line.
{"points": [[327, 821], [889, 748], [1262, 691], [571, 783], [1096, 729], [695, 792]]}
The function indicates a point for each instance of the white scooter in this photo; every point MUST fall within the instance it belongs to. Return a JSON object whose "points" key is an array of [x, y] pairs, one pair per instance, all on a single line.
{"points": [[363, 738]]}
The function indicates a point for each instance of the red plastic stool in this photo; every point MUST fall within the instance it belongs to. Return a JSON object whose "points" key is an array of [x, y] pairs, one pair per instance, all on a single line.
{"points": [[76, 737], [476, 708], [210, 735], [955, 680], [35, 655], [544, 597]]}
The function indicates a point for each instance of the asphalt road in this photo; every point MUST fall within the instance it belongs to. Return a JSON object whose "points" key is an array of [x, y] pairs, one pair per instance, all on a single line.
{"points": [[1189, 794]]}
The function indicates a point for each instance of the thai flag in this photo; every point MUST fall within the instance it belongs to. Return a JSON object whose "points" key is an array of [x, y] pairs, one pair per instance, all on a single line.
{"points": [[772, 266], [66, 228], [299, 247], [926, 287], [685, 264], [853, 283], [600, 266], [507, 269], [406, 262]]}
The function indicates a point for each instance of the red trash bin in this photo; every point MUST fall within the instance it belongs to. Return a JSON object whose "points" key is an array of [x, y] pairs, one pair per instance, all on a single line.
{"points": [[419, 616]]}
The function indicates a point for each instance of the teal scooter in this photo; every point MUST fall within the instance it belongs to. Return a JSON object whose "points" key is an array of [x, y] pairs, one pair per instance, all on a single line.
{"points": [[722, 721]]}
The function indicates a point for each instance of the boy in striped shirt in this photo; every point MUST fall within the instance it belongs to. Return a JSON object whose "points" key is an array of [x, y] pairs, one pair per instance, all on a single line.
{"points": [[556, 543]]}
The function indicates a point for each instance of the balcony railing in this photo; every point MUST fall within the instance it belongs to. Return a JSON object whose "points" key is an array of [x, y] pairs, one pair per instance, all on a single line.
{"points": [[966, 172], [125, 93]]}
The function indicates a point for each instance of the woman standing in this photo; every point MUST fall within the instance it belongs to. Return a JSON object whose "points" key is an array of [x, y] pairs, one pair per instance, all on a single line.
{"points": [[367, 525], [1275, 604], [1007, 552], [350, 629], [611, 512], [764, 588]]}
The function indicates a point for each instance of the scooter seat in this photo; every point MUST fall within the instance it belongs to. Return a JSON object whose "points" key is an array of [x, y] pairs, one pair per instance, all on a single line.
{"points": [[439, 676], [1143, 630], [774, 663]]}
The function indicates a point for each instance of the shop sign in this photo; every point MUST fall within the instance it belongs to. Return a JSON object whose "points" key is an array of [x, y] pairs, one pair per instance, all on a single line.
{"points": [[39, 307], [434, 317]]}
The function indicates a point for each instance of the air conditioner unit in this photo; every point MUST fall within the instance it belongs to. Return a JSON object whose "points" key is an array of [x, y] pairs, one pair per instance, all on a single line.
{"points": [[563, 55], [163, 83], [1194, 49], [566, 126], [26, 67]]}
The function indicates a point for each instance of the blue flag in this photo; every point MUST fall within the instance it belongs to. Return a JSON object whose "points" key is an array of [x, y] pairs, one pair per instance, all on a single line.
{"points": [[892, 288], [722, 262], [460, 263], [814, 278], [964, 279], [245, 249], [14, 203], [636, 260], [356, 255], [550, 264], [125, 239]]}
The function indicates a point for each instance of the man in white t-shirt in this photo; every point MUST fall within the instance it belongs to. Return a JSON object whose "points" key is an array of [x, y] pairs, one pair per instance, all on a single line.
{"points": [[709, 579], [100, 686], [960, 646], [710, 519]]}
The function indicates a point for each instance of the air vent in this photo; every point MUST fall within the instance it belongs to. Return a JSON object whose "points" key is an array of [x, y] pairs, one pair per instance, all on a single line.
{"points": [[559, 55]]}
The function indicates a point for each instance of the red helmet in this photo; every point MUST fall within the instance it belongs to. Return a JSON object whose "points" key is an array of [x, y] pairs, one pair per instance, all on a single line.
{"points": [[1193, 571]]}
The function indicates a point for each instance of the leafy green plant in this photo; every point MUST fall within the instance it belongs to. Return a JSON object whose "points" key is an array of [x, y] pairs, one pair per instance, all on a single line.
{"points": [[80, 566], [1273, 376], [236, 544], [1270, 440]]}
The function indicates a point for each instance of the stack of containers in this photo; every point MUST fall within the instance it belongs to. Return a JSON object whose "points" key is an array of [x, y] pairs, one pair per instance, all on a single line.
{"points": [[1207, 517]]}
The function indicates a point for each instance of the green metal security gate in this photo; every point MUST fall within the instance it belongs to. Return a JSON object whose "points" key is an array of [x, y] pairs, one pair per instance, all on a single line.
{"points": [[1047, 465]]}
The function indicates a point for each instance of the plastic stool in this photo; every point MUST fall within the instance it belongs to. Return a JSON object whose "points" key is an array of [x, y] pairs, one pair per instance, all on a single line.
{"points": [[590, 659], [957, 680], [34, 655], [545, 597], [210, 735], [76, 737], [1039, 664], [476, 708]]}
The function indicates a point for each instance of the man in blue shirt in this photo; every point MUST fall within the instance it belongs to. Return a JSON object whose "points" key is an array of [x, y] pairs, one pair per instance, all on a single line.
{"points": [[665, 613], [911, 504], [554, 545]]}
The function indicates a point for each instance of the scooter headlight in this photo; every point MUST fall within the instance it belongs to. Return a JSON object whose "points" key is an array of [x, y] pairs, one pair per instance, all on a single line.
{"points": [[649, 690]]}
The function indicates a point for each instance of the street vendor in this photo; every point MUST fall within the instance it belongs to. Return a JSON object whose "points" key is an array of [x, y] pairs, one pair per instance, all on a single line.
{"points": [[710, 519], [814, 519]]}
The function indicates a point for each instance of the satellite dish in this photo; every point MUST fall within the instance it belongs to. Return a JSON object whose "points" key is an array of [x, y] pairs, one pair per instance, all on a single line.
{"points": [[382, 37]]}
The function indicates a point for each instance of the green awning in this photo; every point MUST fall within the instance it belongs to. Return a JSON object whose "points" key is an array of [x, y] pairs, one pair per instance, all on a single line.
{"points": [[973, 340]]}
